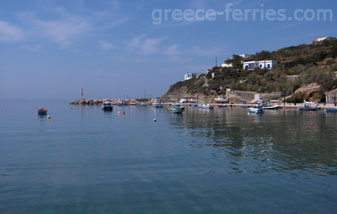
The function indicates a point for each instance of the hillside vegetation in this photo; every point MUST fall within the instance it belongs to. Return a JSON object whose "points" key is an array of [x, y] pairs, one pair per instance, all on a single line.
{"points": [[312, 63]]}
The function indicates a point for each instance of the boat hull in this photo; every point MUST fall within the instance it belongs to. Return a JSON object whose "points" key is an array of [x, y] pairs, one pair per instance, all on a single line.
{"points": [[330, 110], [42, 112], [177, 110], [309, 109], [272, 107], [255, 110], [158, 105], [107, 108]]}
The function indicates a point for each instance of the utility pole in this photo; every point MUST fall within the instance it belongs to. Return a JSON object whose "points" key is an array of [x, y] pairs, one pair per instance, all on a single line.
{"points": [[216, 61], [81, 95]]}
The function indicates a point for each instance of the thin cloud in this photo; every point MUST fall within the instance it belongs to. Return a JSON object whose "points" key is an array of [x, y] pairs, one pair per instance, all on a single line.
{"points": [[206, 51], [10, 33], [172, 50], [106, 46], [62, 31], [150, 46], [144, 46], [68, 28], [33, 48]]}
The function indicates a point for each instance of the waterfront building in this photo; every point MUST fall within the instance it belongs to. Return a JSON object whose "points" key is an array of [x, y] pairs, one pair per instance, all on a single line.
{"points": [[331, 97]]}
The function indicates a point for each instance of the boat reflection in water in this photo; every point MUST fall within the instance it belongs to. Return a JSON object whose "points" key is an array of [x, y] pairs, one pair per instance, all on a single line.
{"points": [[264, 143]]}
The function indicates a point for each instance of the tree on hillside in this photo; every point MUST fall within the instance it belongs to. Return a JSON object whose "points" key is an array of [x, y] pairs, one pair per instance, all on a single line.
{"points": [[236, 61], [263, 55]]}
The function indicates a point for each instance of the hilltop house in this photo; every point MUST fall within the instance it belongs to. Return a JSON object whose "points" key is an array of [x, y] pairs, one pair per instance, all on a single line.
{"points": [[189, 76], [252, 65], [319, 40]]}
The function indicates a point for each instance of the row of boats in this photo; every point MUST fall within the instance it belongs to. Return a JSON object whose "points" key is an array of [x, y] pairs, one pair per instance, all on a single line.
{"points": [[308, 106], [258, 109], [108, 106], [178, 109]]}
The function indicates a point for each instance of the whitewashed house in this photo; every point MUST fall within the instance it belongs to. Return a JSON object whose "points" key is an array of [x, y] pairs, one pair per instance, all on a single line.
{"points": [[245, 56], [252, 65], [269, 64], [319, 40], [189, 76], [227, 65]]}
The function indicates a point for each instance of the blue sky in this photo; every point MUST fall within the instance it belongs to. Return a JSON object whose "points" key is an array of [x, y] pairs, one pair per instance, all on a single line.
{"points": [[52, 49]]}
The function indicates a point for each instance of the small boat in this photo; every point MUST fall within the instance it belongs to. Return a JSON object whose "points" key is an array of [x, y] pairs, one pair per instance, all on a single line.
{"points": [[256, 110], [123, 102], [42, 112], [107, 106], [177, 105], [206, 106], [157, 103], [221, 100], [176, 110], [330, 110], [271, 107], [308, 106], [143, 103]]}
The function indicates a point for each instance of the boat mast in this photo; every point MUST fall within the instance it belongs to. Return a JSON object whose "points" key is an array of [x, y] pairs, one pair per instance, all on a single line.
{"points": [[81, 95]]}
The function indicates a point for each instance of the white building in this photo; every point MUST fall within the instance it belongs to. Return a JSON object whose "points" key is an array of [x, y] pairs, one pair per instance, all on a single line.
{"points": [[189, 76], [245, 56], [252, 65], [319, 40], [227, 65]]}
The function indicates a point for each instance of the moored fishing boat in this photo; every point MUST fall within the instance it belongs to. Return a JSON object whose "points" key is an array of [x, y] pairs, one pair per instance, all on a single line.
{"points": [[271, 107], [107, 106], [309, 106], [206, 106], [221, 100], [42, 112], [256, 110], [330, 110], [176, 110], [177, 105], [157, 103]]}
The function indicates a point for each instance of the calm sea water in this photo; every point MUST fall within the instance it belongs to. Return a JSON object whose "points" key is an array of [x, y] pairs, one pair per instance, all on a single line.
{"points": [[206, 161]]}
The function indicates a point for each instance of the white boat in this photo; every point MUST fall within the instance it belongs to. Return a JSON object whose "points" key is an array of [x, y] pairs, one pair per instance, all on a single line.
{"points": [[206, 106], [271, 107], [177, 105], [157, 103], [310, 106], [107, 106], [221, 100], [256, 110]]}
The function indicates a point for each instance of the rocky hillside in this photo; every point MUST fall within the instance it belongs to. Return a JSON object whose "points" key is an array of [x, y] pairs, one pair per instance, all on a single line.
{"points": [[298, 66]]}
